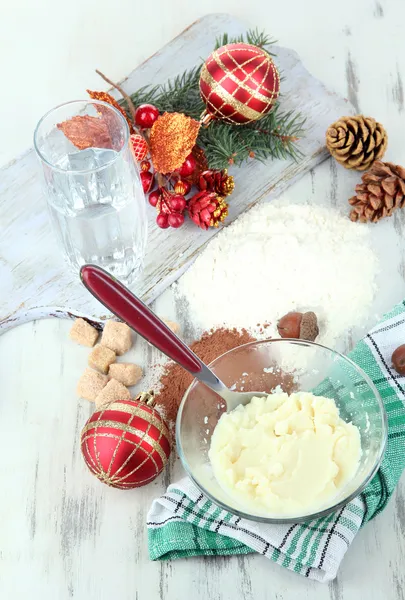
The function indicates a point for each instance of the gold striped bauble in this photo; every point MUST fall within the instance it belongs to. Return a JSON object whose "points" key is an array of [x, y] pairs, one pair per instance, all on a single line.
{"points": [[126, 444], [239, 84]]}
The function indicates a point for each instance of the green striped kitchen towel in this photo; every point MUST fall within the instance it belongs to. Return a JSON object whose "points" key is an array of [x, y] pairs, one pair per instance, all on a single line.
{"points": [[183, 522]]}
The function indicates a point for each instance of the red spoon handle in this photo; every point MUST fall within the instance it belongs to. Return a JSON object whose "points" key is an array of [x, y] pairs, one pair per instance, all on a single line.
{"points": [[127, 307]]}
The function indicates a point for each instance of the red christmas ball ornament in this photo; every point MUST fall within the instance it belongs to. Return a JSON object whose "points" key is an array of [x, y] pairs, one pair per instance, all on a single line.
{"points": [[146, 115], [139, 146], [154, 198], [145, 165], [239, 83], [175, 220], [147, 180], [126, 444], [162, 221], [188, 167]]}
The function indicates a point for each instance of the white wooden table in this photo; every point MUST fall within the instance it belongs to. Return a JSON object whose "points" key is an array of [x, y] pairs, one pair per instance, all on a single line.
{"points": [[62, 533]]}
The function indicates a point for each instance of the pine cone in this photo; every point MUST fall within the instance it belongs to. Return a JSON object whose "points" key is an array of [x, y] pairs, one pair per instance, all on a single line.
{"points": [[217, 181], [207, 209], [356, 142], [382, 191]]}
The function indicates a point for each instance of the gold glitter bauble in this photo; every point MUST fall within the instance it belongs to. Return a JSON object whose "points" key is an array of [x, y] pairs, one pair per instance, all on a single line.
{"points": [[172, 138]]}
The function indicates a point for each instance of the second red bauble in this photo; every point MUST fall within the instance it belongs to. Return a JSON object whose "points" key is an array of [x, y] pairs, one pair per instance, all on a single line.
{"points": [[188, 167], [146, 115], [126, 444], [239, 83]]}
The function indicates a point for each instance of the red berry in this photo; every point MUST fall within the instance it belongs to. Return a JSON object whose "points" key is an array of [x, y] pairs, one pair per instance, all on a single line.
{"points": [[147, 180], [154, 197], [145, 165], [188, 167], [162, 221], [178, 203], [176, 220], [146, 115]]}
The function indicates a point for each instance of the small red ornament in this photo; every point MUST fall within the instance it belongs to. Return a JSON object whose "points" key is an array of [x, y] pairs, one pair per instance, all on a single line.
{"points": [[154, 198], [162, 221], [182, 187], [145, 165], [147, 180], [188, 167], [239, 83], [146, 115], [126, 444], [139, 146]]}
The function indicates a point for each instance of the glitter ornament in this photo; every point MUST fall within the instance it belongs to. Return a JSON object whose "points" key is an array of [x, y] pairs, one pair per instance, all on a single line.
{"points": [[239, 83], [146, 115], [188, 167], [182, 187], [139, 146], [105, 97], [147, 179], [126, 444], [172, 138]]}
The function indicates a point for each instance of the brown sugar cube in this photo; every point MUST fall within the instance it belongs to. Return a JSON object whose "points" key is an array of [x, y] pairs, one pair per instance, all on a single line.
{"points": [[83, 333], [90, 384], [117, 337], [100, 358], [126, 373], [114, 390], [175, 327]]}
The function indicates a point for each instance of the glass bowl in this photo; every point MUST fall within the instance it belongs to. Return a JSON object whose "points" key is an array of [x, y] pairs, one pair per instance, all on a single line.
{"points": [[294, 365]]}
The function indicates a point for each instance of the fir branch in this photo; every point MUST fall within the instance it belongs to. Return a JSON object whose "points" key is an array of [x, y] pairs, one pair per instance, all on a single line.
{"points": [[252, 36]]}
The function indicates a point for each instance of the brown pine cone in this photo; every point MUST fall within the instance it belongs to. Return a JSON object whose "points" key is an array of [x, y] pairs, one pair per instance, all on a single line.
{"points": [[356, 142], [207, 209], [217, 181], [381, 192]]}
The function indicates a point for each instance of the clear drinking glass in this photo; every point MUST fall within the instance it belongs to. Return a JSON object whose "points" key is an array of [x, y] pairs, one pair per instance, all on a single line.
{"points": [[94, 193]]}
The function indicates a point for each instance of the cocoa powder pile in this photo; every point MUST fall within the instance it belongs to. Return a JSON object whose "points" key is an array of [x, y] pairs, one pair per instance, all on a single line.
{"points": [[175, 380]]}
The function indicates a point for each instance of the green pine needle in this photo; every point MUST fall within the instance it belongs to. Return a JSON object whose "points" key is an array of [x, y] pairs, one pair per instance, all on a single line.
{"points": [[272, 137]]}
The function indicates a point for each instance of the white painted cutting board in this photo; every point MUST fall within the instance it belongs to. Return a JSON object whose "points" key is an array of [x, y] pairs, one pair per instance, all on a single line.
{"points": [[33, 275]]}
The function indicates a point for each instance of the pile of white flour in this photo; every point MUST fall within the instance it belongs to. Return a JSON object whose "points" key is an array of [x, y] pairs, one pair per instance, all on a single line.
{"points": [[277, 258]]}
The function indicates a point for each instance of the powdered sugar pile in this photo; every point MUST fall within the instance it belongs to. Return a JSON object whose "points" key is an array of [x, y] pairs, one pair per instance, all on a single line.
{"points": [[277, 258]]}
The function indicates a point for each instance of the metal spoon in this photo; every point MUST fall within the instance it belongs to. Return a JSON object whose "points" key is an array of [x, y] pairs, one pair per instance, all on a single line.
{"points": [[127, 307]]}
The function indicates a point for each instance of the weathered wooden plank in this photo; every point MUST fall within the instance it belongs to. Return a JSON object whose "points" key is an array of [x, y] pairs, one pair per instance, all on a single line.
{"points": [[31, 271]]}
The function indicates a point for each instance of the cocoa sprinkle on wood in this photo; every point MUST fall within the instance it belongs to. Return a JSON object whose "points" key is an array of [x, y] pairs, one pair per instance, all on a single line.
{"points": [[175, 380]]}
